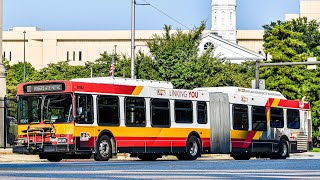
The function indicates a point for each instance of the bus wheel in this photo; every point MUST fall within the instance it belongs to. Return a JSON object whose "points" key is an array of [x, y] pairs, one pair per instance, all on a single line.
{"points": [[283, 150], [104, 149], [148, 157], [193, 148], [241, 156]]}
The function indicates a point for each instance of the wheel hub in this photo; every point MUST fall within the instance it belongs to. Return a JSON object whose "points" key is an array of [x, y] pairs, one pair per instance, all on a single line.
{"points": [[194, 148], [104, 148]]}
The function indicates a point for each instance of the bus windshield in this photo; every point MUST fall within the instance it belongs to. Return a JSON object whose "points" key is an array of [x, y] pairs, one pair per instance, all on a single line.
{"points": [[54, 108]]}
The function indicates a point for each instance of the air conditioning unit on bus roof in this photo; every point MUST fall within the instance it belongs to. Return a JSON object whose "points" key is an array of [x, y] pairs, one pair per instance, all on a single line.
{"points": [[126, 81]]}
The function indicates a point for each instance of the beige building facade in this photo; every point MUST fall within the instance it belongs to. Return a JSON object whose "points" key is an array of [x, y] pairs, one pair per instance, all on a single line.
{"points": [[45, 47]]}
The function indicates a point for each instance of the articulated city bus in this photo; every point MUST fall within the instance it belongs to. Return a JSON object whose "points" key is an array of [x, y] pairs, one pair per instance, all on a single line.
{"points": [[149, 119]]}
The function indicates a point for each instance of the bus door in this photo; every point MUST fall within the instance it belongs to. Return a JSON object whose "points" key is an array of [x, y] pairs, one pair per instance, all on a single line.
{"points": [[84, 125], [261, 140]]}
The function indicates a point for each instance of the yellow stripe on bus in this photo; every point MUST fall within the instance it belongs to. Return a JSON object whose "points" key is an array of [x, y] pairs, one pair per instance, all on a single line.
{"points": [[58, 128], [275, 103], [242, 134], [121, 131], [257, 135], [137, 90], [143, 131]]}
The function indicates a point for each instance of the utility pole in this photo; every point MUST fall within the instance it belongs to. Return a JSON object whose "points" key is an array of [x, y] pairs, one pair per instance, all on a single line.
{"points": [[24, 56], [133, 47], [133, 26]]}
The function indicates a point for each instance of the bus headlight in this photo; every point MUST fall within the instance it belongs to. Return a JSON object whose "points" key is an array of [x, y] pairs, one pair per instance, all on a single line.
{"points": [[21, 141], [62, 140]]}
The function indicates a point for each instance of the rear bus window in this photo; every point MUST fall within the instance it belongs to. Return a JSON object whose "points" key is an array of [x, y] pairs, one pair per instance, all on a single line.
{"points": [[240, 117], [202, 112], [293, 117], [259, 118], [183, 111], [276, 118], [108, 110], [135, 111], [160, 112]]}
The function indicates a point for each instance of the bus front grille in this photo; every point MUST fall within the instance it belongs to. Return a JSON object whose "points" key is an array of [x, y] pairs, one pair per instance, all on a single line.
{"points": [[302, 143]]}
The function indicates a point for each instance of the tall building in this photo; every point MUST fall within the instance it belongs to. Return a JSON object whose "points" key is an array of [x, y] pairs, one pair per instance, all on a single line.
{"points": [[224, 19], [309, 9]]}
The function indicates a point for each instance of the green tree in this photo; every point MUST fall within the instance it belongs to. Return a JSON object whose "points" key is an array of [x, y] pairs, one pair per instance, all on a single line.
{"points": [[62, 71], [15, 76]]}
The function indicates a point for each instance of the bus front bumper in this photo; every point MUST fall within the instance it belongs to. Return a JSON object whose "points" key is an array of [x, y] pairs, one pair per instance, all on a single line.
{"points": [[36, 149]]}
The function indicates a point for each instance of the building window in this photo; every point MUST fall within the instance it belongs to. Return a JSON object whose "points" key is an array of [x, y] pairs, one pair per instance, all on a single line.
{"points": [[231, 18], [215, 17], [183, 111], [259, 118], [202, 112], [84, 109], [208, 45], [240, 117], [223, 17], [293, 118], [10, 56], [74, 56], [160, 113], [135, 111], [108, 110], [4, 55], [67, 55], [80, 56], [276, 118], [105, 52]]}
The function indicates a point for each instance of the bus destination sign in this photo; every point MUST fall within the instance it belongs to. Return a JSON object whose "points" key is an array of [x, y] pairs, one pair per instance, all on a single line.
{"points": [[33, 88]]}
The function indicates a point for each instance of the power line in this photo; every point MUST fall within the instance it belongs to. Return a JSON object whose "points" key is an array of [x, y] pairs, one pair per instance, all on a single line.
{"points": [[166, 15]]}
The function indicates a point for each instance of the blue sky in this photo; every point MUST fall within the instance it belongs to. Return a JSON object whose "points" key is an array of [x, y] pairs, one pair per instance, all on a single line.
{"points": [[115, 14]]}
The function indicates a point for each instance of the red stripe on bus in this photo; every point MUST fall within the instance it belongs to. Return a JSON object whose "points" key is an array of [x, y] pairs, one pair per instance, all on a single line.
{"points": [[249, 138], [102, 88]]}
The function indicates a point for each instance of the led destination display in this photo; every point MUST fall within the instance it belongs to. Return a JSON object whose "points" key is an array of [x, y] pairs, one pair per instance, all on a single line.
{"points": [[33, 88]]}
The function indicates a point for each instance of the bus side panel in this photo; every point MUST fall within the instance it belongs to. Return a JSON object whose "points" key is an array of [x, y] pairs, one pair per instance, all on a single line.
{"points": [[219, 123]]}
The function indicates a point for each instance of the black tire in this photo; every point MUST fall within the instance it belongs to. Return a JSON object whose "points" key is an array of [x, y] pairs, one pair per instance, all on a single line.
{"points": [[241, 156], [283, 152], [193, 149], [104, 149], [51, 157], [147, 157]]}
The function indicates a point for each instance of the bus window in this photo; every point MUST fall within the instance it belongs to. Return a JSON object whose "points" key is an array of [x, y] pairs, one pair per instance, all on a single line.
{"points": [[183, 111], [108, 110], [160, 113], [29, 109], [240, 117], [259, 118], [84, 109], [135, 111], [58, 108], [293, 118], [202, 112], [276, 118]]}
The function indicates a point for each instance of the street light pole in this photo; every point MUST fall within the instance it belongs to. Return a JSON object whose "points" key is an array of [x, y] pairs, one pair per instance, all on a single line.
{"points": [[133, 47], [24, 56]]}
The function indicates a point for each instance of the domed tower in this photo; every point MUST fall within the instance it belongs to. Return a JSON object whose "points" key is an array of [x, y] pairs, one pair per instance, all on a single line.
{"points": [[224, 19]]}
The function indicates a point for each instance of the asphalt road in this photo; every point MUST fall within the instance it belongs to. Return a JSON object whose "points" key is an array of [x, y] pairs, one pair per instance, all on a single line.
{"points": [[165, 169]]}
